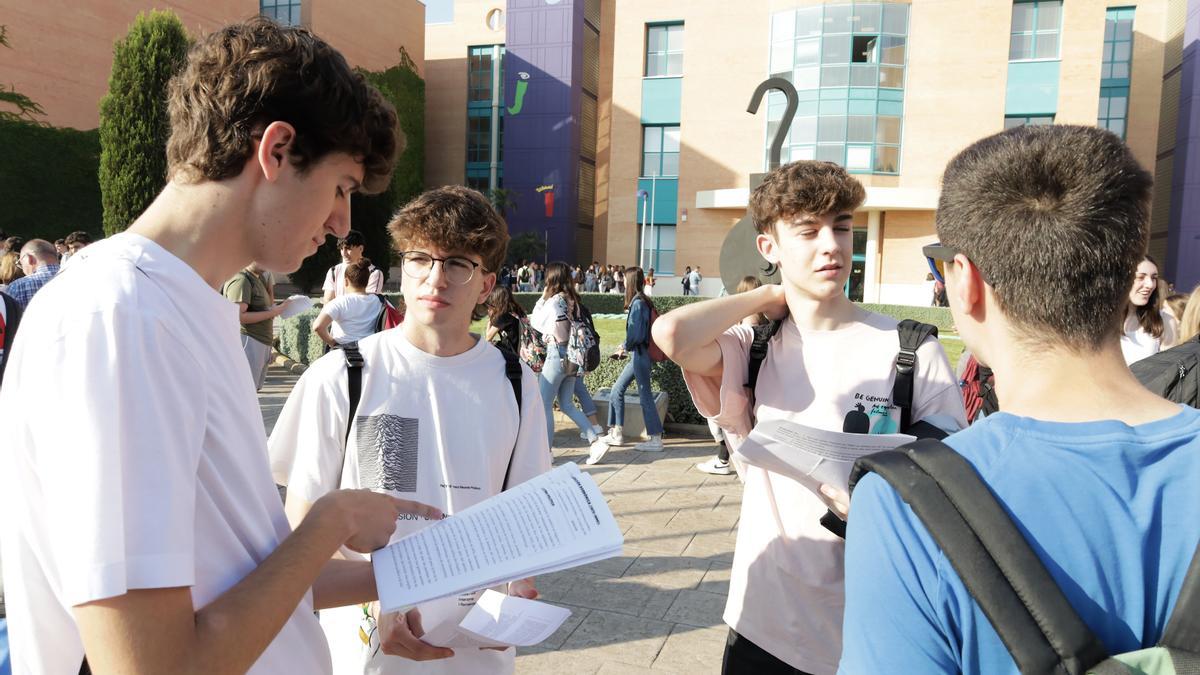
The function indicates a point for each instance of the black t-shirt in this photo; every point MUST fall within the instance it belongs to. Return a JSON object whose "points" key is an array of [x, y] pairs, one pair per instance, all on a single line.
{"points": [[510, 333]]}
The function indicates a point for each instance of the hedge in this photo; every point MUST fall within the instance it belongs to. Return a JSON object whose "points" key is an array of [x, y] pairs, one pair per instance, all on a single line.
{"points": [[48, 181]]}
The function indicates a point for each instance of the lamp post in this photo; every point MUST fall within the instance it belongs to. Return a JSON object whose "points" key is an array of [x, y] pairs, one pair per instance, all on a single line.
{"points": [[645, 197]]}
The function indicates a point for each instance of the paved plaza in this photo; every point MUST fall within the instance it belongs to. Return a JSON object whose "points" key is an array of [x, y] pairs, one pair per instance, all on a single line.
{"points": [[657, 608]]}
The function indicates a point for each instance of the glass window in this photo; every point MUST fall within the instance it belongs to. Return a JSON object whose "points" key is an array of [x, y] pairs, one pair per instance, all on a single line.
{"points": [[860, 129], [1034, 32], [838, 18], [887, 159], [892, 50], [1022, 17], [804, 130], [664, 50], [891, 77], [831, 129], [1115, 70], [282, 11], [831, 153], [806, 78], [808, 21], [895, 19], [781, 57], [865, 49], [1011, 121], [868, 18], [887, 130], [835, 76], [803, 152], [658, 249], [863, 76], [660, 151], [807, 52], [783, 27], [858, 157], [835, 49]]}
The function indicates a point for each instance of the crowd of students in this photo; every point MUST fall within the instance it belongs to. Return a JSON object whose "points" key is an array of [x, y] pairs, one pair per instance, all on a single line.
{"points": [[148, 536]]}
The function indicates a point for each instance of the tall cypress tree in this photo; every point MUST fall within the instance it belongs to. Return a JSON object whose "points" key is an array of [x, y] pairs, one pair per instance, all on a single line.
{"points": [[133, 116]]}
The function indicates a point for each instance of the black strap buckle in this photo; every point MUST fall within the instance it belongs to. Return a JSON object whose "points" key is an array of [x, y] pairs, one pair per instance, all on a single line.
{"points": [[354, 358], [906, 360]]}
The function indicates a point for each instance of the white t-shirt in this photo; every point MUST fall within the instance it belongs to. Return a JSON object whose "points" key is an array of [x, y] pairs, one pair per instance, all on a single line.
{"points": [[354, 316], [440, 430], [335, 280], [552, 318], [786, 589], [1137, 344], [160, 479]]}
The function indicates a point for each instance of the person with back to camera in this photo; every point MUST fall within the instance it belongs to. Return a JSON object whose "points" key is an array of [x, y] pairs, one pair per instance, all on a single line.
{"points": [[354, 314], [1148, 328]]}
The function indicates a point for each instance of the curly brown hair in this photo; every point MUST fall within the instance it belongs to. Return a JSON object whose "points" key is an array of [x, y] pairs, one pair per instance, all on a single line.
{"points": [[241, 78], [455, 219], [809, 186]]}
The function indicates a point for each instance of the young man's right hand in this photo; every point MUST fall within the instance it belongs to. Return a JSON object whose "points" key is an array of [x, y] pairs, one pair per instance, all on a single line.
{"points": [[400, 635], [775, 307], [367, 518]]}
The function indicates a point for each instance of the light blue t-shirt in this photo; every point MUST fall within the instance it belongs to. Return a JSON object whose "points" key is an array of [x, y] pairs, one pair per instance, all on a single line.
{"points": [[1112, 510]]}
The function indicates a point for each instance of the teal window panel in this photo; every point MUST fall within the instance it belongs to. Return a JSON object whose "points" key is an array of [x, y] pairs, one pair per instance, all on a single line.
{"points": [[665, 202], [862, 107], [1032, 88], [833, 108], [808, 94], [891, 94], [837, 94], [891, 108], [1034, 34], [660, 100], [807, 108], [864, 94]]}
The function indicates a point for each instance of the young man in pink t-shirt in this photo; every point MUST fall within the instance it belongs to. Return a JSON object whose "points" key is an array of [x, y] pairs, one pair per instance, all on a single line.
{"points": [[829, 364]]}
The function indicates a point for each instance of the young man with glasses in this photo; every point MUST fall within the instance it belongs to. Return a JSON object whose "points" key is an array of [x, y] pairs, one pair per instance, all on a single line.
{"points": [[437, 421], [351, 247], [831, 365], [1041, 231]]}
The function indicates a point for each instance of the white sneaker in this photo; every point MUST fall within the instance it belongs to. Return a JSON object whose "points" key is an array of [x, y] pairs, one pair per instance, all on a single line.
{"points": [[655, 444], [715, 466], [614, 436], [596, 429], [597, 451]]}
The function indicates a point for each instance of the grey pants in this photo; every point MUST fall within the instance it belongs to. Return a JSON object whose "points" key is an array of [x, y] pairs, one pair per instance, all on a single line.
{"points": [[258, 356]]}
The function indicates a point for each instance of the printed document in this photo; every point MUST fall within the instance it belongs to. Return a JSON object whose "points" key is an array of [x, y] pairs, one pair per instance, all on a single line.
{"points": [[553, 522], [812, 456], [499, 620]]}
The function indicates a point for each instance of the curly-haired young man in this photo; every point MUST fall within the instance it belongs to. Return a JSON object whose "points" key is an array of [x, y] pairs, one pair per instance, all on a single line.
{"points": [[147, 533], [829, 360], [438, 421]]}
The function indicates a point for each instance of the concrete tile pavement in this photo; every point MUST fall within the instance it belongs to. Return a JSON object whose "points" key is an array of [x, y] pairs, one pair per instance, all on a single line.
{"points": [[656, 608]]}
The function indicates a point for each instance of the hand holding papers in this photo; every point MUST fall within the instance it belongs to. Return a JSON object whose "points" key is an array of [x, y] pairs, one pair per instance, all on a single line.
{"points": [[553, 522], [499, 620], [812, 456], [296, 304]]}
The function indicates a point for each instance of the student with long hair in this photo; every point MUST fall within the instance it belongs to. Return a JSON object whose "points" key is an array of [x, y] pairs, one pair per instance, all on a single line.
{"points": [[552, 317], [1148, 329], [504, 318], [636, 345], [1189, 323]]}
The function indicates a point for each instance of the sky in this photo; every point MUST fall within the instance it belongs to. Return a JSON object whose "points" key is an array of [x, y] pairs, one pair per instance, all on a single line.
{"points": [[439, 11]]}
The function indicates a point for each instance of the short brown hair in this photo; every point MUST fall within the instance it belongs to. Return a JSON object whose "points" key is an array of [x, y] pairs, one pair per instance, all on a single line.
{"points": [[359, 273], [1061, 202], [252, 73], [453, 218], [812, 187]]}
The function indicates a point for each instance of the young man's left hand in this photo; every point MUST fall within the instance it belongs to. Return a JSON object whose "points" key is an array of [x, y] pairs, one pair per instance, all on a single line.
{"points": [[837, 500], [524, 588]]}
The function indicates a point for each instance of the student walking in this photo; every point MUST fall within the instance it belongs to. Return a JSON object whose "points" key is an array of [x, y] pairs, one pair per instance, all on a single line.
{"points": [[552, 316], [636, 346], [504, 319]]}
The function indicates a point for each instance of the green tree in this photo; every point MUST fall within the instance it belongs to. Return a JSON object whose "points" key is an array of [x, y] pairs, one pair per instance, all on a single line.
{"points": [[503, 199], [370, 214], [133, 116], [526, 246], [26, 108]]}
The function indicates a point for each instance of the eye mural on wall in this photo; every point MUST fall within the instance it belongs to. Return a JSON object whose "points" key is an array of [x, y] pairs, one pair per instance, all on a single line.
{"points": [[519, 97]]}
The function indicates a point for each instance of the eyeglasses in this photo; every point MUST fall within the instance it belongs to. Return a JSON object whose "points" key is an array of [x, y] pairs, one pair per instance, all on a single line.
{"points": [[418, 265], [937, 252]]}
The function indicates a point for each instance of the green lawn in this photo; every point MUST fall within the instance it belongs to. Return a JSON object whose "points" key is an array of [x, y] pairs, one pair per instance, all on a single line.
{"points": [[612, 333]]}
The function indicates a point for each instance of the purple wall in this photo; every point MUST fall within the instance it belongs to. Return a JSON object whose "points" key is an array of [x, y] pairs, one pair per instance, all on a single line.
{"points": [[1183, 240], [541, 139]]}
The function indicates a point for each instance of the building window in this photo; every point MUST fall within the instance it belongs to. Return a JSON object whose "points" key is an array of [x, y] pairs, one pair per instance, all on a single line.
{"points": [[658, 251], [847, 61], [479, 74], [660, 151], [1011, 121], [1115, 70], [664, 50], [1035, 30], [282, 11], [482, 69]]}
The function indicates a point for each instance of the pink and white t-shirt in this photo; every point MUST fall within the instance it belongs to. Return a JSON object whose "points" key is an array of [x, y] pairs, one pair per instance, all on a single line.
{"points": [[786, 588]]}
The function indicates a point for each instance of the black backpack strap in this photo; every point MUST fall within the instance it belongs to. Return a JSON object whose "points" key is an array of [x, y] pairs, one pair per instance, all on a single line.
{"points": [[1004, 575], [912, 335], [763, 333], [1183, 628], [12, 320], [512, 370], [354, 371]]}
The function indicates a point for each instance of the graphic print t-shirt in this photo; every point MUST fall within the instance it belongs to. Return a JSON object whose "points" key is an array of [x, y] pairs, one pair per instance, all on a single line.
{"points": [[838, 380], [439, 430]]}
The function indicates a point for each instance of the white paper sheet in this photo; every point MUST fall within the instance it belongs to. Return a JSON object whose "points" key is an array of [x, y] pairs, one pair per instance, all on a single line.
{"points": [[812, 456], [553, 522], [499, 620], [296, 304]]}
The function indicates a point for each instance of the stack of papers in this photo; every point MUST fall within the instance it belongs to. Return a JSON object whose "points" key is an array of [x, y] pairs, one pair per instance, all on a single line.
{"points": [[553, 522], [296, 304], [812, 456], [499, 620]]}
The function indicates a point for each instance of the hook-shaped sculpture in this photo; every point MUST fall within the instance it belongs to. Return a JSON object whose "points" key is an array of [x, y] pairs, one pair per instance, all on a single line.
{"points": [[793, 102]]}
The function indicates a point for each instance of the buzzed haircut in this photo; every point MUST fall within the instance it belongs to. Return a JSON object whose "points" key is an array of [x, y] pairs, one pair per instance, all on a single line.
{"points": [[805, 187], [1056, 219], [244, 76]]}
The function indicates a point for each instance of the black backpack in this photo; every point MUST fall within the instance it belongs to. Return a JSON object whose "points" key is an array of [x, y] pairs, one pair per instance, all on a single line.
{"points": [[12, 319], [1004, 575], [1173, 374], [354, 367]]}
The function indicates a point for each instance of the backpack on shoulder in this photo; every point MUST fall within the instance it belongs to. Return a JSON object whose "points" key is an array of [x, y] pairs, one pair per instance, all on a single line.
{"points": [[531, 345], [389, 315], [1036, 622], [978, 388], [583, 343], [354, 374], [657, 355], [1173, 374]]}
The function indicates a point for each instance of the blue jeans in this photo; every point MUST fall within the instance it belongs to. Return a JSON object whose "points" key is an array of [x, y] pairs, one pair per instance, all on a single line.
{"points": [[5, 663], [639, 368], [556, 384], [585, 397]]}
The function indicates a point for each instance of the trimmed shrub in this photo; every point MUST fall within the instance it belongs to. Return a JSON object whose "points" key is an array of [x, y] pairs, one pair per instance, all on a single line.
{"points": [[48, 180], [370, 214], [133, 116], [296, 339]]}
